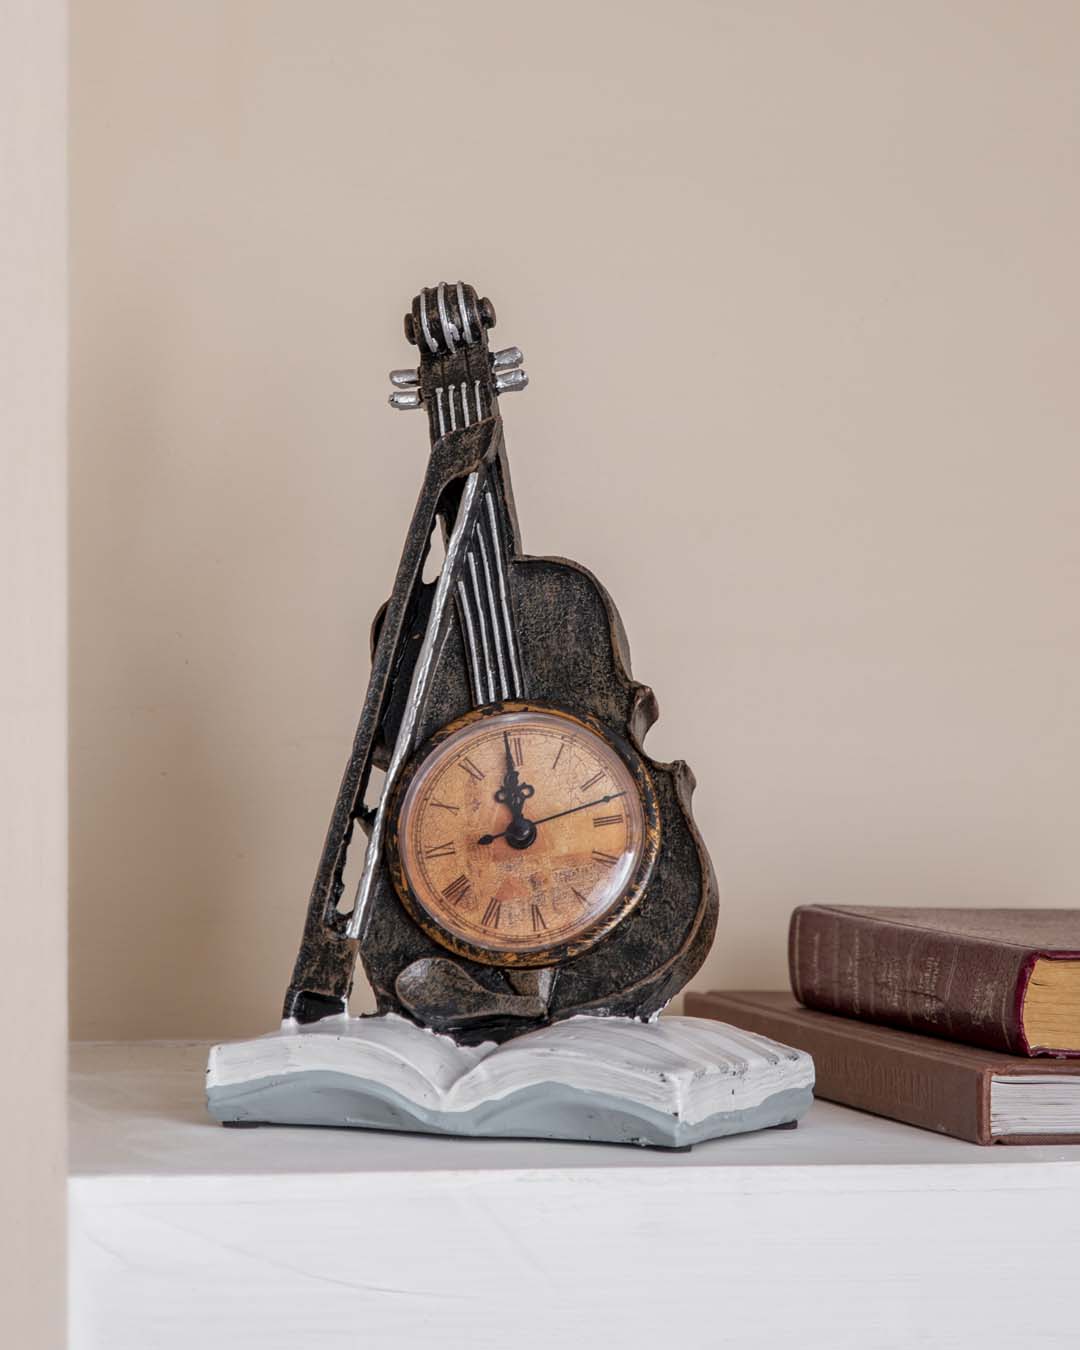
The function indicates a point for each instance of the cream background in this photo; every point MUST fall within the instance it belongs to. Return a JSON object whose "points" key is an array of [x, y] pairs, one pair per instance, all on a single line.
{"points": [[798, 290], [33, 674]]}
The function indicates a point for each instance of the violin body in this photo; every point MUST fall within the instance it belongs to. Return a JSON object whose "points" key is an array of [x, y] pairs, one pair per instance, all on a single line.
{"points": [[509, 658]]}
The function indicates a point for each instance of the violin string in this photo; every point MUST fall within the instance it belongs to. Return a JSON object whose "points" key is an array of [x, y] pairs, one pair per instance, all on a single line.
{"points": [[478, 598], [465, 605], [500, 570], [470, 644], [504, 690]]}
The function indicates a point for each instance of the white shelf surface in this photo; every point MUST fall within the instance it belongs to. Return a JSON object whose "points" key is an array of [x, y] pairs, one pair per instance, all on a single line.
{"points": [[850, 1231]]}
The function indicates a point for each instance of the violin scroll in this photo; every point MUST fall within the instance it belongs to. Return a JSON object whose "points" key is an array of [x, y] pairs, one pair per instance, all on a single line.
{"points": [[447, 317], [458, 379]]}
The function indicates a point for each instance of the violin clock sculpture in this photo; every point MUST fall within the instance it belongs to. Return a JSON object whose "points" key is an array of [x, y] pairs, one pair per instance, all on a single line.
{"points": [[527, 870]]}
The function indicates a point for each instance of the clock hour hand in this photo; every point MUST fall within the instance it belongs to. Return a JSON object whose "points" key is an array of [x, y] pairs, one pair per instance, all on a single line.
{"points": [[511, 770], [490, 838], [513, 794]]}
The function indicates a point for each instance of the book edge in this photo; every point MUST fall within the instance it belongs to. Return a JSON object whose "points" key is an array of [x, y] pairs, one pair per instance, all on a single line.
{"points": [[933, 1047], [974, 1127], [859, 913], [1028, 958]]}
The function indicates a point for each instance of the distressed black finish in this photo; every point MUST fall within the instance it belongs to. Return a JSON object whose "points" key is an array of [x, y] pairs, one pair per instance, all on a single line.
{"points": [[574, 655]]}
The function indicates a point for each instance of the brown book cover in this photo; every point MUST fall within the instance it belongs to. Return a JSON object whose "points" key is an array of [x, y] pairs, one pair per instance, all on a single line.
{"points": [[899, 1074], [962, 974]]}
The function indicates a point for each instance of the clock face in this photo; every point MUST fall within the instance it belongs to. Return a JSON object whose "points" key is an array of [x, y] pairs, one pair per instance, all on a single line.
{"points": [[523, 837]]}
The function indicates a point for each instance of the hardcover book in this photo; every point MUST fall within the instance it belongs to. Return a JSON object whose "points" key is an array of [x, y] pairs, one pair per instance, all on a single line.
{"points": [[972, 1094], [1004, 979], [667, 1084]]}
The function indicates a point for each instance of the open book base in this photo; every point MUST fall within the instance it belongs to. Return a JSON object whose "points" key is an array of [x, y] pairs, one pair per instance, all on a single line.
{"points": [[659, 1148], [667, 1084]]}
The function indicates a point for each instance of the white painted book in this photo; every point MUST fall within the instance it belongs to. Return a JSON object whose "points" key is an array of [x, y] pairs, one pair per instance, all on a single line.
{"points": [[669, 1083]]}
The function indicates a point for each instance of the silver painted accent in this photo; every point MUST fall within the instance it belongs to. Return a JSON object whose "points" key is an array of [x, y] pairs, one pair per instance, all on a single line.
{"points": [[463, 311], [511, 382], [479, 405], [507, 359], [465, 404], [433, 346], [504, 688], [470, 642], [453, 410], [407, 398], [405, 379], [450, 333], [500, 572], [439, 406], [464, 526], [488, 671]]}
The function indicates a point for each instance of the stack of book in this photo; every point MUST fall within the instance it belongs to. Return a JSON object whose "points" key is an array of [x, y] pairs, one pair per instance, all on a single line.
{"points": [[964, 1021]]}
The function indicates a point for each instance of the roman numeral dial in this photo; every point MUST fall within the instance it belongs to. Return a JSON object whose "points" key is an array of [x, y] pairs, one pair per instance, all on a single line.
{"points": [[522, 836], [457, 890]]}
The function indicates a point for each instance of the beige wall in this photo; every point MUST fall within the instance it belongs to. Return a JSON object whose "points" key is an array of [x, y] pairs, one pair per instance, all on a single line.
{"points": [[798, 289], [33, 684]]}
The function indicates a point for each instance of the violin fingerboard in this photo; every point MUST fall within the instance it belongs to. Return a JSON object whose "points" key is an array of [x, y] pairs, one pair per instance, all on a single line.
{"points": [[483, 596]]}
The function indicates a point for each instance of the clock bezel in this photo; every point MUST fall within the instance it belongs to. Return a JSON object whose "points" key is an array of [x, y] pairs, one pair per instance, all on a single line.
{"points": [[597, 929]]}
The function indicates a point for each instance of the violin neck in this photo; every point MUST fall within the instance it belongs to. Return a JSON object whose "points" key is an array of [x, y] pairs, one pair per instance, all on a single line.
{"points": [[458, 382], [460, 393]]}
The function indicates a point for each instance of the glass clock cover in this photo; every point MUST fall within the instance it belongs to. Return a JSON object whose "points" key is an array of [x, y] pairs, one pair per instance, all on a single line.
{"points": [[523, 834]]}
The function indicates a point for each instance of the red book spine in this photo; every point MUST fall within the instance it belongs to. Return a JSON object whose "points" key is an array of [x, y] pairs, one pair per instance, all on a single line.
{"points": [[961, 988]]}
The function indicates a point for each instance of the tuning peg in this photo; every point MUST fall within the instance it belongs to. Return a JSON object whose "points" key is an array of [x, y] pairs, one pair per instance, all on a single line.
{"points": [[507, 359], [408, 398], [511, 381], [405, 379]]}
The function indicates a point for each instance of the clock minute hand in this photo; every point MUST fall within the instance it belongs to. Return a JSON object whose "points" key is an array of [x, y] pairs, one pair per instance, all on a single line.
{"points": [[583, 807], [490, 838]]}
